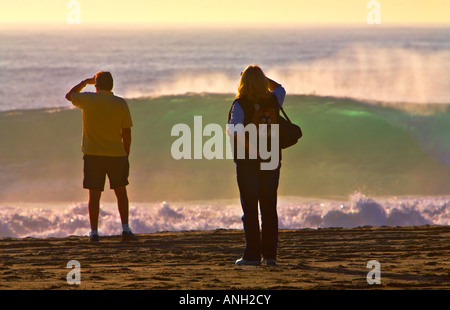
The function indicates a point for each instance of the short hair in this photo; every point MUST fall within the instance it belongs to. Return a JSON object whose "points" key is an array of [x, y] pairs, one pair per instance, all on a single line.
{"points": [[104, 80]]}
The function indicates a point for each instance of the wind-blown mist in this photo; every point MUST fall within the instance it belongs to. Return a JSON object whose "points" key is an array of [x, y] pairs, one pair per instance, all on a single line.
{"points": [[368, 73], [371, 73]]}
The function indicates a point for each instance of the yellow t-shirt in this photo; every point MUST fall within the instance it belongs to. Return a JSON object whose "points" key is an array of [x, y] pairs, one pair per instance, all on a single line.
{"points": [[104, 116]]}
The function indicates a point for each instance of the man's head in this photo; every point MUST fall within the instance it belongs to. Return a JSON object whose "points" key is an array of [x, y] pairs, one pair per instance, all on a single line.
{"points": [[103, 81]]}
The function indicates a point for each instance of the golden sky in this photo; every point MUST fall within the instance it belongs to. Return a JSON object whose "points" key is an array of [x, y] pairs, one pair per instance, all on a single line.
{"points": [[224, 11]]}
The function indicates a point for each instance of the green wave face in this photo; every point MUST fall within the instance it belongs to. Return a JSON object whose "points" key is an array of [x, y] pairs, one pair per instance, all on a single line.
{"points": [[347, 146]]}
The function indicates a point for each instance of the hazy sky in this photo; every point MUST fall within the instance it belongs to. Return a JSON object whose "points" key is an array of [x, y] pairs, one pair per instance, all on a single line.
{"points": [[225, 11]]}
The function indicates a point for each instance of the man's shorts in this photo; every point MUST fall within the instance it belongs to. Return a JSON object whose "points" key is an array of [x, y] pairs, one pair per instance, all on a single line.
{"points": [[97, 167]]}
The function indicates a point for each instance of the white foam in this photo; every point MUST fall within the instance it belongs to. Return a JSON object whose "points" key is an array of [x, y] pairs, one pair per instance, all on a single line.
{"points": [[294, 213]]}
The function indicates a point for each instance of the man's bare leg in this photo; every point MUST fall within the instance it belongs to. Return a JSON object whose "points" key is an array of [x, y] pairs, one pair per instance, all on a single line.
{"points": [[94, 207], [122, 203]]}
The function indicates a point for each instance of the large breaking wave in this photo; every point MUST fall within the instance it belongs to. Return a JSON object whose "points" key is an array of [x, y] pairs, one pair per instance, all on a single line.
{"points": [[347, 146]]}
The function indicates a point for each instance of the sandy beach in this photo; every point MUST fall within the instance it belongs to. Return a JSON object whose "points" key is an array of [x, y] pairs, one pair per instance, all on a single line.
{"points": [[331, 258]]}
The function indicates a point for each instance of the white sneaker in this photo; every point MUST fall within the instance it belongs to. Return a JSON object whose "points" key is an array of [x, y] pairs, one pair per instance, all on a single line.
{"points": [[242, 261]]}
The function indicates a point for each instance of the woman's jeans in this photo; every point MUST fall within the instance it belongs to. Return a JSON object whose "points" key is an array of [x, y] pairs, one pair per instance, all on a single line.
{"points": [[259, 186]]}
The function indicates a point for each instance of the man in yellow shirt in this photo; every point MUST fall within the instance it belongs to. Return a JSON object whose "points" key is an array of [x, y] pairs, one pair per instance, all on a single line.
{"points": [[106, 146]]}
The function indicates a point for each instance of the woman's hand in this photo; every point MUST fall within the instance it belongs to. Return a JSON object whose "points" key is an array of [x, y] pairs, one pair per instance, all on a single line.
{"points": [[272, 84]]}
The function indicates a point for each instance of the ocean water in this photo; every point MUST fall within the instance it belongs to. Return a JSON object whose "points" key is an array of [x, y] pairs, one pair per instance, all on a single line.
{"points": [[374, 105], [38, 65]]}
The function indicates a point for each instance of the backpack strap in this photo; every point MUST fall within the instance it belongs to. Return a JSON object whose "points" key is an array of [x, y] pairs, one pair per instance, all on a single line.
{"points": [[280, 107], [285, 115]]}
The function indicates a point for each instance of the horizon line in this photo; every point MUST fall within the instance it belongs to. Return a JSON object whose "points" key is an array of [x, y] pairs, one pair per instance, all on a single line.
{"points": [[227, 25]]}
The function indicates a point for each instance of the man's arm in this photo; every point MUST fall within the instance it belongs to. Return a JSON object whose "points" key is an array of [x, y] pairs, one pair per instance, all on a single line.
{"points": [[79, 87], [126, 139]]}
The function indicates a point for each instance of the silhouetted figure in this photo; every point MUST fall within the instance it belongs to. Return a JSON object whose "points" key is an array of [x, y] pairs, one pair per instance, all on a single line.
{"points": [[106, 146], [257, 103]]}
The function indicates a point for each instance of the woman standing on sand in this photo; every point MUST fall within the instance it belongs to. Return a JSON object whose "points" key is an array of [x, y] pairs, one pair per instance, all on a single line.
{"points": [[258, 97]]}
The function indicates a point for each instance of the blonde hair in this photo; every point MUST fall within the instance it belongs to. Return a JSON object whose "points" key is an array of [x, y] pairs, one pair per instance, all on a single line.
{"points": [[254, 84]]}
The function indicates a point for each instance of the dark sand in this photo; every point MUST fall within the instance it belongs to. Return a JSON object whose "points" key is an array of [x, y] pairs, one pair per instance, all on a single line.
{"points": [[332, 258]]}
